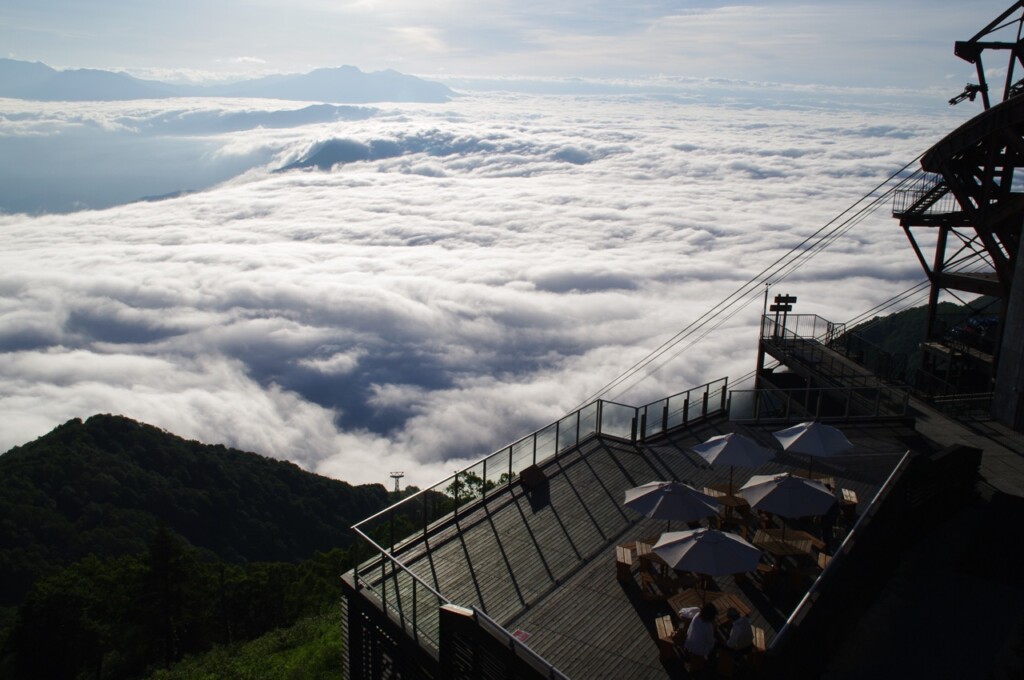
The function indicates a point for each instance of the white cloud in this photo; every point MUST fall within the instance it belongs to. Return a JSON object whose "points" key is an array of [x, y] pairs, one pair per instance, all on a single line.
{"points": [[498, 260]]}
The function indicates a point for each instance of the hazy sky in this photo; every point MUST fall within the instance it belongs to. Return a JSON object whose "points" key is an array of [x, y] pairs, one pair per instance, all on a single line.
{"points": [[508, 255], [877, 43]]}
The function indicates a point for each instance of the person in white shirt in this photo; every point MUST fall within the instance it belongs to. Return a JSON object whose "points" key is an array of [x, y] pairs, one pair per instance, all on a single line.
{"points": [[700, 637], [741, 635]]}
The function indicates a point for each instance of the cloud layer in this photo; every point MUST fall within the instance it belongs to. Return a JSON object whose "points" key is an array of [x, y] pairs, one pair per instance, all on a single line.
{"points": [[428, 283]]}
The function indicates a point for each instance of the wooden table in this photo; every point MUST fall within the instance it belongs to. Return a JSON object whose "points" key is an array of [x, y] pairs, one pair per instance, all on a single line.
{"points": [[823, 477], [691, 597], [796, 535], [848, 504], [729, 502], [800, 547], [657, 578], [648, 558], [720, 493]]}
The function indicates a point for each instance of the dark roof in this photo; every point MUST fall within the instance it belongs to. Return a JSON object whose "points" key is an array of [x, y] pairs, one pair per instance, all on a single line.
{"points": [[543, 562]]}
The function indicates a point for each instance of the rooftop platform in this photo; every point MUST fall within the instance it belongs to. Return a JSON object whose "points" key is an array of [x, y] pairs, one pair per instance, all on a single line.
{"points": [[526, 539], [540, 561]]}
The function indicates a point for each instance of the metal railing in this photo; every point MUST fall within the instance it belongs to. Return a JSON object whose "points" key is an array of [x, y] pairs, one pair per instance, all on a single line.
{"points": [[411, 601], [520, 649], [841, 554], [801, 326], [817, 403], [926, 195], [816, 343], [977, 406], [883, 363], [807, 339]]}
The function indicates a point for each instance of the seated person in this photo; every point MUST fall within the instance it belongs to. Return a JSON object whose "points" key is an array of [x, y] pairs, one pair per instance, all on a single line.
{"points": [[700, 638], [741, 635]]}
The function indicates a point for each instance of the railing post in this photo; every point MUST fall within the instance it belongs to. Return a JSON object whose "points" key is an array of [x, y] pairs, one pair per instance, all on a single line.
{"points": [[642, 435], [455, 493], [686, 409], [383, 581], [415, 615], [704, 404], [725, 389], [598, 424], [632, 428], [558, 437], [509, 481], [483, 487], [398, 598], [664, 417], [578, 428]]}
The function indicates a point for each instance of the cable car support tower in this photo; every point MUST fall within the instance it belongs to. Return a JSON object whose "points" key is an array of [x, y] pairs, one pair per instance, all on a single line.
{"points": [[966, 205]]}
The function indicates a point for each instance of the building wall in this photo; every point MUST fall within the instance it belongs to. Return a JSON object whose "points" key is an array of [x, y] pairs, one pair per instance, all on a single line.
{"points": [[1008, 403]]}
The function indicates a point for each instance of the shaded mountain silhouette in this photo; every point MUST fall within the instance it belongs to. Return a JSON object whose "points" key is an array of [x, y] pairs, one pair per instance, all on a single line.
{"points": [[346, 84], [101, 487]]}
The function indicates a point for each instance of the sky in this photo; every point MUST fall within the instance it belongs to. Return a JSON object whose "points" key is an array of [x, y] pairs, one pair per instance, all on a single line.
{"points": [[867, 43], [513, 252]]}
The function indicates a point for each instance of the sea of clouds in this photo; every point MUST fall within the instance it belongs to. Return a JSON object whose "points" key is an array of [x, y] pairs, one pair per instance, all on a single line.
{"points": [[369, 289]]}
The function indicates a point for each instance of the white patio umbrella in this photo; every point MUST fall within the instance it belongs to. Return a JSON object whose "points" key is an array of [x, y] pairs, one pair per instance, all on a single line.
{"points": [[707, 551], [814, 439], [787, 495], [733, 449], [669, 501]]}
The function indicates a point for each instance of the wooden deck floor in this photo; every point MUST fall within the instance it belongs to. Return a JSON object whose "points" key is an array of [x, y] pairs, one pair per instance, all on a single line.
{"points": [[544, 562]]}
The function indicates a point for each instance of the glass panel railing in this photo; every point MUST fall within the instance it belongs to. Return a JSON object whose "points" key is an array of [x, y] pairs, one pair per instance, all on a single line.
{"points": [[497, 470], [522, 454], [468, 485], [654, 418], [617, 420], [717, 395], [677, 406], [567, 428], [588, 420], [742, 405], [547, 444], [694, 406]]}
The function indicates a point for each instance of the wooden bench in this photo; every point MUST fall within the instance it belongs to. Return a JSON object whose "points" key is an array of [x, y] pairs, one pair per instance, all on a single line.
{"points": [[654, 586], [757, 653], [665, 632], [754, 659], [624, 563], [848, 505]]}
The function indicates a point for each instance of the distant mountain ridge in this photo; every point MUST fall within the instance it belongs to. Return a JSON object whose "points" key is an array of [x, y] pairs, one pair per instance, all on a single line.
{"points": [[345, 84]]}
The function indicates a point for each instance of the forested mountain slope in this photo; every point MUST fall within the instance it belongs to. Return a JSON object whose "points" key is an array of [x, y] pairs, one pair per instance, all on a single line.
{"points": [[102, 487]]}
